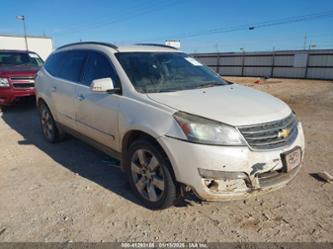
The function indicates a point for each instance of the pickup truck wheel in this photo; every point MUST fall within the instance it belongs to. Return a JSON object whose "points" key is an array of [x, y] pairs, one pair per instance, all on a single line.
{"points": [[49, 127], [150, 177], [2, 108]]}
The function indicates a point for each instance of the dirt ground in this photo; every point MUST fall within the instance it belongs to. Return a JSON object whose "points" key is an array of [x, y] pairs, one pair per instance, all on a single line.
{"points": [[71, 192]]}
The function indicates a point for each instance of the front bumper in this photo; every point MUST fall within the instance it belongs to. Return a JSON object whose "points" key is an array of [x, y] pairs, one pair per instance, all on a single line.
{"points": [[10, 95], [263, 168]]}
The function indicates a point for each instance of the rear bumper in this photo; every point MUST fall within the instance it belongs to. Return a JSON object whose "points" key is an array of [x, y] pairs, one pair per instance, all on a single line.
{"points": [[10, 95], [263, 169]]}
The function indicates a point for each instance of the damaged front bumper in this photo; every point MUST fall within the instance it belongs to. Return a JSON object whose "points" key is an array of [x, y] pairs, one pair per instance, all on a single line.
{"points": [[227, 189], [222, 173]]}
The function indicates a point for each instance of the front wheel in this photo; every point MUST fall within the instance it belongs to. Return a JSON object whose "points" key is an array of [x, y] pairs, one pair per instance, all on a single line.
{"points": [[150, 176], [2, 108]]}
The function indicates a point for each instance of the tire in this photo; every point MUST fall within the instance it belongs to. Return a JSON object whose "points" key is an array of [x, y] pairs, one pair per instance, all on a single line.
{"points": [[150, 175], [3, 108], [51, 131]]}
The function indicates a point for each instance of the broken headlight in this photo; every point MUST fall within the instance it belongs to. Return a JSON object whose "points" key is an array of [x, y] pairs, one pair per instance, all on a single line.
{"points": [[223, 175], [205, 131]]}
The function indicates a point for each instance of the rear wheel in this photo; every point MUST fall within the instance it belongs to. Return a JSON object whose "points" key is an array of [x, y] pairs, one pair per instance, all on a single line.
{"points": [[150, 176], [50, 130]]}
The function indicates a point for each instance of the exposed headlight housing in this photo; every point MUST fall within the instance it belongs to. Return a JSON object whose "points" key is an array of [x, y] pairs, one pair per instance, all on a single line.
{"points": [[205, 131], [4, 82], [223, 175]]}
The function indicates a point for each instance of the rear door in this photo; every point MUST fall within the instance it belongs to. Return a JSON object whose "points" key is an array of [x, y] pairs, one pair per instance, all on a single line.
{"points": [[63, 86], [97, 112]]}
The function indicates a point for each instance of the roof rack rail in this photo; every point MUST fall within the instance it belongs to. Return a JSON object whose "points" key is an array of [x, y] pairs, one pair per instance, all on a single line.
{"points": [[155, 45], [90, 42]]}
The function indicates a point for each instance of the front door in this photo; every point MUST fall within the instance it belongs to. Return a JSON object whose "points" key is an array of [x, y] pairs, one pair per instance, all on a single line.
{"points": [[97, 112]]}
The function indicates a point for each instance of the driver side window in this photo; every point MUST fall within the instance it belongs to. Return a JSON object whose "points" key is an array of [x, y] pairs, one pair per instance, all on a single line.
{"points": [[98, 66]]}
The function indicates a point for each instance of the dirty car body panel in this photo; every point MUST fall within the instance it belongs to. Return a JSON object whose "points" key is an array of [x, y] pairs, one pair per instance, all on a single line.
{"points": [[230, 159], [266, 145]]}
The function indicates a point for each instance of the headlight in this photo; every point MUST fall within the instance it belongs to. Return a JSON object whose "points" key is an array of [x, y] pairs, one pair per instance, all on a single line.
{"points": [[206, 131], [4, 82]]}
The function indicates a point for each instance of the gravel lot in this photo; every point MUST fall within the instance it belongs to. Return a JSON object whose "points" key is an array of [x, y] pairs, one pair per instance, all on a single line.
{"points": [[71, 192]]}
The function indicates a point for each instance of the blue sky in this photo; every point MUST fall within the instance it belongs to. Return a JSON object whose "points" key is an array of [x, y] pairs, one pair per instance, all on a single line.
{"points": [[129, 21]]}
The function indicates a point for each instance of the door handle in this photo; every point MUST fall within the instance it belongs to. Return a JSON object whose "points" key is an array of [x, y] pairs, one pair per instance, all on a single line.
{"points": [[80, 97], [54, 89]]}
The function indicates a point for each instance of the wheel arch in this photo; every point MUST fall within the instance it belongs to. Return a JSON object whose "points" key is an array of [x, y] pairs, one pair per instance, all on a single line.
{"points": [[134, 135], [42, 100]]}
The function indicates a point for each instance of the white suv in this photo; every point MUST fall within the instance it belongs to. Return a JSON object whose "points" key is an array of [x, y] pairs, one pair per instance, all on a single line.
{"points": [[174, 124]]}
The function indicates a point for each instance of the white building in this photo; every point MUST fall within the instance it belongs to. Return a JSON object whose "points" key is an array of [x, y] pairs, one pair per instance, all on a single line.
{"points": [[42, 45], [173, 43]]}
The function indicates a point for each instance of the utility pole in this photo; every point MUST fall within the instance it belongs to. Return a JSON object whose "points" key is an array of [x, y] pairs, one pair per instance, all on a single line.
{"points": [[22, 18], [305, 40]]}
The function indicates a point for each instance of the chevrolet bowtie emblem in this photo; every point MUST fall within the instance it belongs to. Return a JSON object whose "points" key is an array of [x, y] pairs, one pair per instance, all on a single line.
{"points": [[284, 133]]}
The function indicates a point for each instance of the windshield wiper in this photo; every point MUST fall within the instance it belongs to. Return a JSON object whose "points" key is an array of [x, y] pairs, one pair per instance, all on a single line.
{"points": [[169, 90], [208, 84]]}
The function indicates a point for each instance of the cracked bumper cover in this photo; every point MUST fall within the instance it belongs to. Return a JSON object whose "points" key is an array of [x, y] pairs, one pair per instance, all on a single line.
{"points": [[263, 168]]}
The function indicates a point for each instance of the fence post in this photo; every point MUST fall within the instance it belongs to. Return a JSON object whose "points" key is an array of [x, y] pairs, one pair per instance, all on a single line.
{"points": [[218, 63], [243, 63], [273, 64], [307, 65]]}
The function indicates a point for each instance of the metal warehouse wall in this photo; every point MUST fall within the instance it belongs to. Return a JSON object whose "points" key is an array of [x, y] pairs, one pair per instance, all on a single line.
{"points": [[308, 64], [39, 44]]}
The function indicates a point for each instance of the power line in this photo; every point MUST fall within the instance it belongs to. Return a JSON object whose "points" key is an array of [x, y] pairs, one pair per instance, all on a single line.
{"points": [[294, 19], [247, 43], [269, 23], [322, 35], [107, 18], [153, 7]]}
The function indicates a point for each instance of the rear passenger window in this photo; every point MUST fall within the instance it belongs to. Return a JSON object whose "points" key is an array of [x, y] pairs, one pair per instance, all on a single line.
{"points": [[98, 67], [54, 64], [72, 65]]}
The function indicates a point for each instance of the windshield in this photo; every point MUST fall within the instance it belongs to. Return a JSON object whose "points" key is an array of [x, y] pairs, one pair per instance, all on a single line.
{"points": [[20, 58], [152, 72]]}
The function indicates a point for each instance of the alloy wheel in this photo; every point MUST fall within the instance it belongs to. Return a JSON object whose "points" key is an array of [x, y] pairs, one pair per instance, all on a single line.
{"points": [[47, 123], [148, 176]]}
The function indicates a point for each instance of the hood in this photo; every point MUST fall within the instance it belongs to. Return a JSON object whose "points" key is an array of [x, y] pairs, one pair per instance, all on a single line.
{"points": [[20, 69], [231, 104]]}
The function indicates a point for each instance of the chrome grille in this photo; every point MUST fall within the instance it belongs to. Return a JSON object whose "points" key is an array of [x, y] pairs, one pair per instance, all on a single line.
{"points": [[23, 78], [23, 85], [270, 135], [21, 81]]}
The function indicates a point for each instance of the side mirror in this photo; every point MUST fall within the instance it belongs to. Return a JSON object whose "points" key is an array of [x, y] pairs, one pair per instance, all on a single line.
{"points": [[102, 85]]}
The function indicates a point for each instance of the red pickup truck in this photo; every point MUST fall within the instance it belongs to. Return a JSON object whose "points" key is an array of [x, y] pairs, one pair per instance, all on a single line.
{"points": [[17, 75]]}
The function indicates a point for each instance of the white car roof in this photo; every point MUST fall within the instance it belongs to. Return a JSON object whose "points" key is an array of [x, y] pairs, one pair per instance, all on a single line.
{"points": [[125, 48], [146, 48]]}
